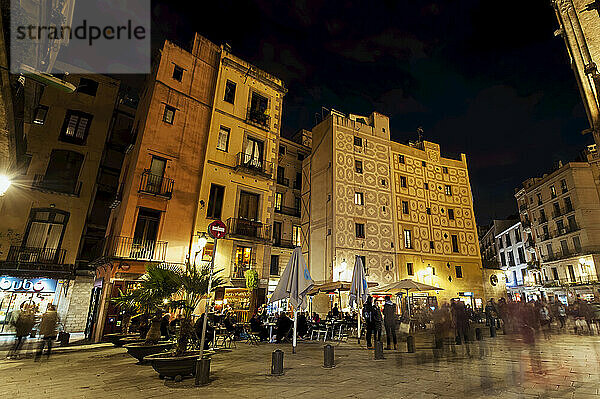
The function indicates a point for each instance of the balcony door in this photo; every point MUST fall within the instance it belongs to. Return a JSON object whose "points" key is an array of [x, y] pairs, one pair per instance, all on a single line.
{"points": [[243, 261], [157, 173], [253, 153], [277, 233], [248, 215], [43, 236], [145, 234]]}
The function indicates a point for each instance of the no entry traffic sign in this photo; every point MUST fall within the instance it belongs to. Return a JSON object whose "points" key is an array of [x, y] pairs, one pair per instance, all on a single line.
{"points": [[217, 229]]}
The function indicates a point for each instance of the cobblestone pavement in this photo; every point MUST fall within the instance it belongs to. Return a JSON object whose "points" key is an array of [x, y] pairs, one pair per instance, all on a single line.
{"points": [[567, 367]]}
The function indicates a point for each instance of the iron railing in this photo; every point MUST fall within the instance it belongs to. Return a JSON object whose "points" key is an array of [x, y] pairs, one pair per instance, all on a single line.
{"points": [[64, 187], [250, 229], [130, 248], [254, 165], [20, 254], [156, 185], [258, 118], [570, 281], [288, 210]]}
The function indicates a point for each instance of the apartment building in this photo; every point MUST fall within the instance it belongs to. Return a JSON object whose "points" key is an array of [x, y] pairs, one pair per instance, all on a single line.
{"points": [[564, 210], [246, 180], [404, 209], [45, 211], [487, 241], [152, 218]]}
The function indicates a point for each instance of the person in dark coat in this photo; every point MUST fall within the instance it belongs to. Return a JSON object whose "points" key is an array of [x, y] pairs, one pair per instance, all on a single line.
{"points": [[372, 317], [256, 326], [284, 323], [164, 326], [335, 312], [210, 331], [390, 321], [47, 331]]}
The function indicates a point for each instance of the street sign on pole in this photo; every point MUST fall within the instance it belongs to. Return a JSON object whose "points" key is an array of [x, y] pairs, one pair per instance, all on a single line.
{"points": [[217, 229]]}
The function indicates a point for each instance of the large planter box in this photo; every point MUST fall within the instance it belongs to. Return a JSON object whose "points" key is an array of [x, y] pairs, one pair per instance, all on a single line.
{"points": [[140, 350], [173, 367]]}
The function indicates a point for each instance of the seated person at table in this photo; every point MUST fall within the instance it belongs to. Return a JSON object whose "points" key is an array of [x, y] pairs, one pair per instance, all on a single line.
{"points": [[335, 312], [230, 326], [256, 326], [316, 319], [284, 324], [302, 324], [210, 332]]}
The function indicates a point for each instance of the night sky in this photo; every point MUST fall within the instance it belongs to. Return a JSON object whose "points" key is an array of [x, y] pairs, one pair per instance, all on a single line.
{"points": [[486, 78]]}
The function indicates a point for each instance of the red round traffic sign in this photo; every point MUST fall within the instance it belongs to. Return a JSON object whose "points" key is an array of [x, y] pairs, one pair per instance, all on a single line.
{"points": [[217, 229]]}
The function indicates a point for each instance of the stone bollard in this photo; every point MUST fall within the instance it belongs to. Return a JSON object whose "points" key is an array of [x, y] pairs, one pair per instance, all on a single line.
{"points": [[493, 331], [410, 344], [328, 357], [277, 362], [478, 335], [379, 350], [203, 371]]}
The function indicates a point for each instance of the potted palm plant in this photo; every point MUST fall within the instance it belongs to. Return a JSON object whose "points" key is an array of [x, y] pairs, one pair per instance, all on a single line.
{"points": [[129, 306], [192, 286], [152, 296]]}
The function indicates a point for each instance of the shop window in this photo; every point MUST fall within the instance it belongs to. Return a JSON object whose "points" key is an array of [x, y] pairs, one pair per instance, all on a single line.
{"points": [[75, 127], [229, 92]]}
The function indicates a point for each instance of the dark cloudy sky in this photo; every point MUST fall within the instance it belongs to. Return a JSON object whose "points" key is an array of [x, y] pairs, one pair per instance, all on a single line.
{"points": [[483, 77]]}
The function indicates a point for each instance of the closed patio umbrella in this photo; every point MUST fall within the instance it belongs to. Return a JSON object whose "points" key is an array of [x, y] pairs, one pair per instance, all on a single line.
{"points": [[359, 288]]}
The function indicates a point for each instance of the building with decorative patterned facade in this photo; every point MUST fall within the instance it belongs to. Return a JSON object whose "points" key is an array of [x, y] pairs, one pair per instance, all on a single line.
{"points": [[404, 209]]}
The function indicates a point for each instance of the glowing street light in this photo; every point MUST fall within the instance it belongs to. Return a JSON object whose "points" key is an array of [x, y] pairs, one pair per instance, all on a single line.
{"points": [[202, 241], [4, 184]]}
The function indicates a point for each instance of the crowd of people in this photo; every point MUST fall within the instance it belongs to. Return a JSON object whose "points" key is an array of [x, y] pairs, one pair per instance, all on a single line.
{"points": [[24, 321]]}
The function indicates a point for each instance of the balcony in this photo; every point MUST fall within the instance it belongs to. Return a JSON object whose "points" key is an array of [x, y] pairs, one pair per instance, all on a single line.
{"points": [[566, 230], [33, 262], [578, 280], [62, 187], [288, 210], [278, 242], [258, 118], [248, 229], [156, 185], [283, 181], [129, 248], [254, 165]]}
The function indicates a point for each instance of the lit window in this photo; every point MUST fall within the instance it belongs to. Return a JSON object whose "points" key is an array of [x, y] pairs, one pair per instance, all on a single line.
{"points": [[297, 236], [223, 139], [401, 158], [407, 239], [359, 198], [40, 115], [357, 141], [448, 189], [169, 114], [75, 127], [278, 201]]}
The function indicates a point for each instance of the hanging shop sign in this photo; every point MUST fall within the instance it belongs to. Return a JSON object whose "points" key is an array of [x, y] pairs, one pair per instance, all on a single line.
{"points": [[34, 285]]}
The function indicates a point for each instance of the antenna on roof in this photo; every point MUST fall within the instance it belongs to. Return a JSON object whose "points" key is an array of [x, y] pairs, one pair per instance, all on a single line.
{"points": [[420, 132]]}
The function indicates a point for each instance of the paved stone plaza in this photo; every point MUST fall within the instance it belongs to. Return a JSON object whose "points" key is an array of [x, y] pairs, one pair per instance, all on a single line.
{"points": [[569, 369]]}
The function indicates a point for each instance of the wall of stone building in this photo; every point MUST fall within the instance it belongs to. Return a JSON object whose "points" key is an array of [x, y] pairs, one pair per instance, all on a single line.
{"points": [[494, 291], [78, 297]]}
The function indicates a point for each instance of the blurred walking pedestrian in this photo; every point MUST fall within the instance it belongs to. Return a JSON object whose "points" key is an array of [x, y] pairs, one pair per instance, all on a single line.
{"points": [[47, 331], [22, 320], [390, 320], [370, 313]]}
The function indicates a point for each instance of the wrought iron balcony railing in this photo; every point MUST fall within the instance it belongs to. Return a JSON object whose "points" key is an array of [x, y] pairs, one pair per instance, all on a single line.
{"points": [[249, 229], [64, 187], [254, 165], [20, 254], [156, 185], [130, 248]]}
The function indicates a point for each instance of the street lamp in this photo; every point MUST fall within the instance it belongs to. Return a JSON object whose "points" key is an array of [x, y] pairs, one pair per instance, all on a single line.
{"points": [[4, 184], [200, 244]]}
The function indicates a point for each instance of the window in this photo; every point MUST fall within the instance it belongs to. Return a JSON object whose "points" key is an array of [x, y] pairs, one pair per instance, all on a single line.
{"points": [[448, 190], [62, 172], [560, 226], [300, 156], [401, 160], [426, 186], [517, 235], [445, 171], [405, 207], [274, 269], [358, 167], [521, 254], [402, 181], [549, 250], [357, 141], [572, 223], [423, 163], [277, 233], [409, 269], [500, 245], [507, 237], [552, 192], [281, 150], [75, 127], [215, 201], [145, 233], [555, 273], [563, 185], [545, 273], [45, 230], [431, 245], [458, 270], [359, 198], [281, 175], [297, 236], [523, 275], [229, 92], [177, 73], [428, 210], [297, 202], [542, 215], [571, 273], [577, 244], [40, 115], [564, 246], [360, 230], [169, 114], [223, 139], [568, 204], [87, 86], [450, 213], [511, 258], [454, 243], [278, 201], [539, 198], [502, 259], [383, 183], [407, 239], [298, 181], [258, 109]]}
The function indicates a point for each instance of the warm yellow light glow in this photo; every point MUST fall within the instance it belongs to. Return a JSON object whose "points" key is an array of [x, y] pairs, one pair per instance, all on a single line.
{"points": [[344, 264], [582, 260], [4, 184], [202, 241]]}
